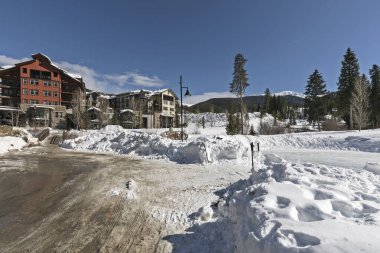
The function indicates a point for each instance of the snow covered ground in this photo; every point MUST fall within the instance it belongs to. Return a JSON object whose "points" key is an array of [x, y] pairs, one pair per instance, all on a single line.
{"points": [[323, 197], [304, 207]]}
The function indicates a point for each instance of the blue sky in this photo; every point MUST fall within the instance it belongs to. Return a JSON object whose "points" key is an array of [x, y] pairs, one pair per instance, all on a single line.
{"points": [[121, 45]]}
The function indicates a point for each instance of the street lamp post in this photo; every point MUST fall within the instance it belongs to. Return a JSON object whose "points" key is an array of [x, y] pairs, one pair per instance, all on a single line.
{"points": [[187, 93]]}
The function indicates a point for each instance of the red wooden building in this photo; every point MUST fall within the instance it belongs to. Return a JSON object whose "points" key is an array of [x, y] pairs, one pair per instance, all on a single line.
{"points": [[41, 90]]}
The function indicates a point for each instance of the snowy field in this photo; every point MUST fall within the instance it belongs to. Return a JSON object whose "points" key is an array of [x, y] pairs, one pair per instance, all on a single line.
{"points": [[309, 192]]}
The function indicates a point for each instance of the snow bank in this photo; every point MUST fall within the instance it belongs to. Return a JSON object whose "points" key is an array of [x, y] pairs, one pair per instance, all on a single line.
{"points": [[203, 149], [373, 167], [9, 143], [288, 207]]}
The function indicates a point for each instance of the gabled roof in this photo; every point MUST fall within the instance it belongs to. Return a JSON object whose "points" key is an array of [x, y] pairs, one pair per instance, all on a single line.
{"points": [[149, 93], [41, 58], [46, 60]]}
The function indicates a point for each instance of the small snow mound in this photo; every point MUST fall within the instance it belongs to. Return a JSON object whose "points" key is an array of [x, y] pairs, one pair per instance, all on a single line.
{"points": [[131, 189], [373, 167], [206, 213]]}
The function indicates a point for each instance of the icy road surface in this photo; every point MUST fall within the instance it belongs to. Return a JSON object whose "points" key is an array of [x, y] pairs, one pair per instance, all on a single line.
{"points": [[52, 200]]}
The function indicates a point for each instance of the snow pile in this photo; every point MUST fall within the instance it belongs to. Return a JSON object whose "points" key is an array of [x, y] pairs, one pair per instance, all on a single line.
{"points": [[196, 150], [23, 139], [8, 143], [204, 149], [288, 207]]}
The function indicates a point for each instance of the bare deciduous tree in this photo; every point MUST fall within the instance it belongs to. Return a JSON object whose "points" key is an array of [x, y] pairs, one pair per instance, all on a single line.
{"points": [[103, 105], [77, 111], [360, 102]]}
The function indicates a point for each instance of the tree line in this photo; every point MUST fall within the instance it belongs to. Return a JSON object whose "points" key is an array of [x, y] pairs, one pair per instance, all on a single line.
{"points": [[357, 99]]}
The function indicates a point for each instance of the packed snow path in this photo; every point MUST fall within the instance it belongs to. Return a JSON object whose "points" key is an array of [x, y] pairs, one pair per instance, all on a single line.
{"points": [[54, 200]]}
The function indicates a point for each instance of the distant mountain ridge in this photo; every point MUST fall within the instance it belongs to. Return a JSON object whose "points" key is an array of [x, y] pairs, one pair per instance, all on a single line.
{"points": [[252, 102], [289, 93]]}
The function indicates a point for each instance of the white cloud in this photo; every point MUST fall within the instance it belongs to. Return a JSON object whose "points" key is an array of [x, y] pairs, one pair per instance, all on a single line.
{"points": [[98, 81], [5, 60], [206, 96], [136, 79], [92, 79]]}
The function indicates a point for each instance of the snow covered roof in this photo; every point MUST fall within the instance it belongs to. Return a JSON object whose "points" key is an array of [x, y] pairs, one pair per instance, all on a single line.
{"points": [[93, 108], [42, 106], [7, 67], [46, 59], [126, 110], [105, 96], [149, 93]]}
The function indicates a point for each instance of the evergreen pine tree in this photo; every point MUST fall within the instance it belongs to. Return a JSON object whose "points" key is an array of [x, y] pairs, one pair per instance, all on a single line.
{"points": [[273, 105], [232, 127], [239, 83], [348, 74], [374, 98], [315, 87], [115, 118], [267, 99]]}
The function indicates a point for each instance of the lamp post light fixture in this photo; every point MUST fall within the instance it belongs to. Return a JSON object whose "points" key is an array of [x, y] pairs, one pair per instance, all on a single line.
{"points": [[187, 93]]}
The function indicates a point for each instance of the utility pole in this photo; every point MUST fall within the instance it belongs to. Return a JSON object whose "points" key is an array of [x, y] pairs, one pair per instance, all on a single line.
{"points": [[187, 93]]}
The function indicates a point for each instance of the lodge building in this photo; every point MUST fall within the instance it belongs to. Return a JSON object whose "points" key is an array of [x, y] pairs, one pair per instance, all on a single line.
{"points": [[37, 93], [40, 92]]}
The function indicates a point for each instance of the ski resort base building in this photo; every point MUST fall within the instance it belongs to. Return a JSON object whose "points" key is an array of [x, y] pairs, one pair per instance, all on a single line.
{"points": [[146, 109], [38, 93]]}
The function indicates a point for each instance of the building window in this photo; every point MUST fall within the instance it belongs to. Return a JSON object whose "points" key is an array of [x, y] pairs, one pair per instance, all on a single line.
{"points": [[34, 92], [47, 83], [55, 102], [33, 101], [55, 74], [25, 81], [58, 114], [40, 74], [25, 101], [25, 70], [172, 109], [55, 94], [169, 98], [47, 93], [33, 82], [165, 108], [34, 73], [45, 75], [24, 91], [56, 84]]}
